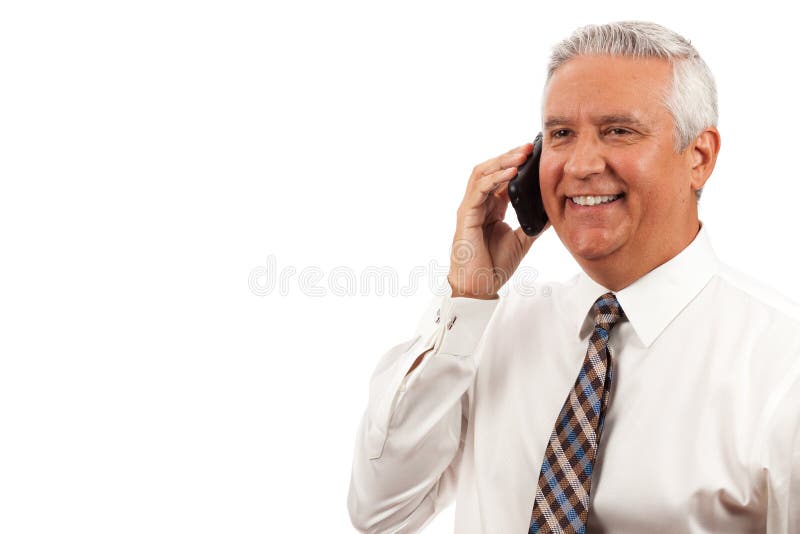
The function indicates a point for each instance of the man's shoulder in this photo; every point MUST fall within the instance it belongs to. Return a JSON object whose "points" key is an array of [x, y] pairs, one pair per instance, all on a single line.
{"points": [[754, 293]]}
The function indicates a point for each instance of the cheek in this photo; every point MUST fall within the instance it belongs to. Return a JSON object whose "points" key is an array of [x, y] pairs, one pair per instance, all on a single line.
{"points": [[653, 192], [549, 173], [642, 173]]}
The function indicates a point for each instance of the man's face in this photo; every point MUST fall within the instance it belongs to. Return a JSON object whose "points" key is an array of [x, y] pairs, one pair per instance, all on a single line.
{"points": [[607, 132]]}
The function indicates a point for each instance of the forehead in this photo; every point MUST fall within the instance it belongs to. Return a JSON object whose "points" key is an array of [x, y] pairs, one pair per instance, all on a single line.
{"points": [[588, 86]]}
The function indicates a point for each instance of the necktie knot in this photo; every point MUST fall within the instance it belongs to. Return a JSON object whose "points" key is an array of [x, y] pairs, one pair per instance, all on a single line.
{"points": [[607, 311]]}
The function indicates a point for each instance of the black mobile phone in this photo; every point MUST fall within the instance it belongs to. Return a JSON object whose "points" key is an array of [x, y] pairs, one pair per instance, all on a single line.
{"points": [[525, 193]]}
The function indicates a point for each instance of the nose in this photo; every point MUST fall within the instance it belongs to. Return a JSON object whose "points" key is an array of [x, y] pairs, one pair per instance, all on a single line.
{"points": [[585, 159]]}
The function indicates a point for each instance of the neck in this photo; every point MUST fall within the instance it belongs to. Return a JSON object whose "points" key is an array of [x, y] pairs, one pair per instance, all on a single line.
{"points": [[623, 267]]}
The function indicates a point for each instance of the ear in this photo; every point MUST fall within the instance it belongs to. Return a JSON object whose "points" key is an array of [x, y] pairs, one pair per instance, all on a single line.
{"points": [[703, 154]]}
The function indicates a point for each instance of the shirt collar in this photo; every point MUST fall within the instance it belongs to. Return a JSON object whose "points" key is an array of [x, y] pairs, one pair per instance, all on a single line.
{"points": [[654, 300]]}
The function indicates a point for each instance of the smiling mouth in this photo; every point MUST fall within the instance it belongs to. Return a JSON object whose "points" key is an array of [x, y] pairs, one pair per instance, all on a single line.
{"points": [[594, 200]]}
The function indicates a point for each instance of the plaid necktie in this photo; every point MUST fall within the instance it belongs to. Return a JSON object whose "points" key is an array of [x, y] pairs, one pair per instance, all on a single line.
{"points": [[565, 481]]}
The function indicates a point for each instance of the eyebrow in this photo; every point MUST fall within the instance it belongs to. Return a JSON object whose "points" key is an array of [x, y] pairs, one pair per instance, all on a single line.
{"points": [[616, 118]]}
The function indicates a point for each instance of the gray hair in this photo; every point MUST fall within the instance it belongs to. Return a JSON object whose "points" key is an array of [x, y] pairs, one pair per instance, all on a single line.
{"points": [[692, 99]]}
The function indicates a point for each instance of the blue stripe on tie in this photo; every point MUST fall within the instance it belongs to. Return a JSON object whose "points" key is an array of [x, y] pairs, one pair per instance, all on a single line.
{"points": [[564, 421], [558, 493], [567, 508], [572, 515], [547, 472], [554, 487], [545, 467], [590, 393], [588, 390]]}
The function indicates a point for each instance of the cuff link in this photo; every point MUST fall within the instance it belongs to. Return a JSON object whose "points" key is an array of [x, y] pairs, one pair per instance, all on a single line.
{"points": [[450, 324], [438, 317]]}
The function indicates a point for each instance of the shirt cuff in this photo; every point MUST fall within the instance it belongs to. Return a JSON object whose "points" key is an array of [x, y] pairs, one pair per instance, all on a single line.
{"points": [[464, 320], [452, 326]]}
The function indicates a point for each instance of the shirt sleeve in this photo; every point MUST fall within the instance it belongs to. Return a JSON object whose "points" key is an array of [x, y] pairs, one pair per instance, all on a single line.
{"points": [[783, 484], [409, 442]]}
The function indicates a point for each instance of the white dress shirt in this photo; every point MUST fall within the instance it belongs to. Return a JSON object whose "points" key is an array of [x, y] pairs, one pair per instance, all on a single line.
{"points": [[702, 432]]}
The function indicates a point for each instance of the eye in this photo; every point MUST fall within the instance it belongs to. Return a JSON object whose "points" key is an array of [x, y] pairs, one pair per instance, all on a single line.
{"points": [[618, 131], [560, 133]]}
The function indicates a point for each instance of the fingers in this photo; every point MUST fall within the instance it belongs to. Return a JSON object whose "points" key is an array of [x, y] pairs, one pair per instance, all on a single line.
{"points": [[488, 187], [484, 186], [492, 176], [489, 183], [513, 158], [526, 147]]}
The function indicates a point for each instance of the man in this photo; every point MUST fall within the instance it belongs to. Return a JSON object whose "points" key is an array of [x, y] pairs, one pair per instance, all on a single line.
{"points": [[656, 391]]}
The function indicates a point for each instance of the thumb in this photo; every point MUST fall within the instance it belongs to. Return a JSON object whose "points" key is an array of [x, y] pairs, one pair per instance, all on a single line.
{"points": [[526, 240]]}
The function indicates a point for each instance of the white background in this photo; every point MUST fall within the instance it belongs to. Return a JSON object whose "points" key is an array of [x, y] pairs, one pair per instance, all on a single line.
{"points": [[154, 154]]}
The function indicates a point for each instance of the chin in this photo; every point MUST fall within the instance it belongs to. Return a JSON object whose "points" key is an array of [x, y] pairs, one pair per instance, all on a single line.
{"points": [[592, 255], [592, 246]]}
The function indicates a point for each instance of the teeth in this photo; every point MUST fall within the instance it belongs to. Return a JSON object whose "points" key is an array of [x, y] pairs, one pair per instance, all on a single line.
{"points": [[593, 201]]}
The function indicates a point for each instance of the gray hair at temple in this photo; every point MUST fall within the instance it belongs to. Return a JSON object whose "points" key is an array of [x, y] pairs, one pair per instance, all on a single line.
{"points": [[692, 98]]}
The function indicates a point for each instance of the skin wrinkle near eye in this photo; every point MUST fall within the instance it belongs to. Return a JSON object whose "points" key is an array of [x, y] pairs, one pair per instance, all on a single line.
{"points": [[623, 119], [632, 128]]}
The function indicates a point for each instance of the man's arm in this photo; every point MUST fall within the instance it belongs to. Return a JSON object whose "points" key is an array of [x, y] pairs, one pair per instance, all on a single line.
{"points": [[409, 442]]}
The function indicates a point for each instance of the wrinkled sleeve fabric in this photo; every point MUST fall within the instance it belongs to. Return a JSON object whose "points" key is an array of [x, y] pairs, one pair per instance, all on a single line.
{"points": [[410, 439]]}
